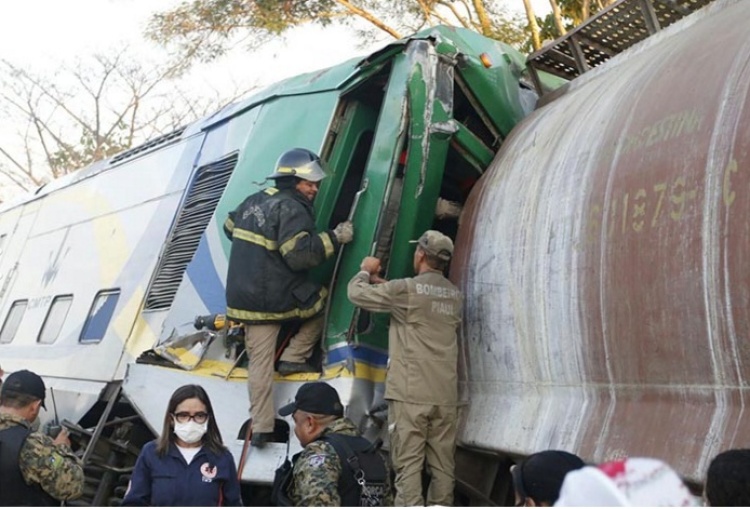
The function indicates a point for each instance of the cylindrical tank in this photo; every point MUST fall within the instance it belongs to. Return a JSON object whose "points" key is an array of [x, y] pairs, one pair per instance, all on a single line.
{"points": [[605, 259]]}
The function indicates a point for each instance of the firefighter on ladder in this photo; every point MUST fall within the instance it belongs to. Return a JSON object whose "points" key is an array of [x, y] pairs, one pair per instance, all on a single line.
{"points": [[274, 244]]}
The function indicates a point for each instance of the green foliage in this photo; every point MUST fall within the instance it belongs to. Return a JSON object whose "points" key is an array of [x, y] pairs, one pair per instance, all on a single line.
{"points": [[89, 148], [510, 28], [205, 29], [548, 28], [572, 16], [513, 31]]}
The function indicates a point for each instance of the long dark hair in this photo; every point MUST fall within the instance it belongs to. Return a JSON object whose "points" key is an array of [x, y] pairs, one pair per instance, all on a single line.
{"points": [[212, 438]]}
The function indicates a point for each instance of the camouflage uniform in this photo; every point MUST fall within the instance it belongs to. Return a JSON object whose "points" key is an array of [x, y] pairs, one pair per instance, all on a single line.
{"points": [[318, 468], [54, 467]]}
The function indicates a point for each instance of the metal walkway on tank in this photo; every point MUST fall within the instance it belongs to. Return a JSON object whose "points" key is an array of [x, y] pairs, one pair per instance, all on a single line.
{"points": [[611, 31]]}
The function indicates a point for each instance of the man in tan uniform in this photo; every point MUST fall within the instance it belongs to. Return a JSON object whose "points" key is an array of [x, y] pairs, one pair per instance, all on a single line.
{"points": [[422, 381]]}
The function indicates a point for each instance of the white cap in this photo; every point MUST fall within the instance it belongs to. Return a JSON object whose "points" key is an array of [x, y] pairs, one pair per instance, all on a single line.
{"points": [[634, 482]]}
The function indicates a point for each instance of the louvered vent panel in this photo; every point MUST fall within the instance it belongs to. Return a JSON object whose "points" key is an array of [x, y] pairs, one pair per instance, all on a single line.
{"points": [[206, 190], [148, 146]]}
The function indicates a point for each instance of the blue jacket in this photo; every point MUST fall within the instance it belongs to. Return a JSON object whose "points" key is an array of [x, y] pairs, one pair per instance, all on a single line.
{"points": [[170, 481]]}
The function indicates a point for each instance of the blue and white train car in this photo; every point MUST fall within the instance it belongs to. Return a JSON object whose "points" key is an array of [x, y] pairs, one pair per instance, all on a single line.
{"points": [[119, 258]]}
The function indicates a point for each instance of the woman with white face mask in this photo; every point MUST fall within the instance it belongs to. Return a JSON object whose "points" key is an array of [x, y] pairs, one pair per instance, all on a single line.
{"points": [[188, 464]]}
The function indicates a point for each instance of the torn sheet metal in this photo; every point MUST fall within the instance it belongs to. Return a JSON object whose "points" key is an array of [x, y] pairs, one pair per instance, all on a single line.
{"points": [[186, 351]]}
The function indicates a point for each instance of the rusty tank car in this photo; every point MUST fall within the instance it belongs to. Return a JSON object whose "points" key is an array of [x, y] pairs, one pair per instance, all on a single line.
{"points": [[605, 258]]}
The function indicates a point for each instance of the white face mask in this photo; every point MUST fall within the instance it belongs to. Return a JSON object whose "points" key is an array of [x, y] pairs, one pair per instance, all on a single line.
{"points": [[190, 432]]}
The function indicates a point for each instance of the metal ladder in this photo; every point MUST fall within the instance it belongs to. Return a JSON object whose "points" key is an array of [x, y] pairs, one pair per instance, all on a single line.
{"points": [[606, 34]]}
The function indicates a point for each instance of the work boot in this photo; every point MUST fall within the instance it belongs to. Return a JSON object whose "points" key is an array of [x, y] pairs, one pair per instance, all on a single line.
{"points": [[260, 439], [290, 368]]}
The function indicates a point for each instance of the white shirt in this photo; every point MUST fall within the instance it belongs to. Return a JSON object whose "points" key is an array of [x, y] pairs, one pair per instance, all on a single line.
{"points": [[188, 452]]}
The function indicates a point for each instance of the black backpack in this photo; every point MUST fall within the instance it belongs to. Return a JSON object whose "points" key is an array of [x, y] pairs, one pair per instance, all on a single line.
{"points": [[363, 482]]}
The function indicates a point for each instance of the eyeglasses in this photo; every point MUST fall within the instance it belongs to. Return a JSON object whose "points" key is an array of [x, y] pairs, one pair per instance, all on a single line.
{"points": [[183, 417]]}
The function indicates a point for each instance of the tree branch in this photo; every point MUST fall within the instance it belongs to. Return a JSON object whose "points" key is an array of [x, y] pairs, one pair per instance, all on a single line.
{"points": [[461, 19], [367, 15]]}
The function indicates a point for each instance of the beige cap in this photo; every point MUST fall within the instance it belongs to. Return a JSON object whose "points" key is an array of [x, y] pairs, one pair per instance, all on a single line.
{"points": [[435, 243]]}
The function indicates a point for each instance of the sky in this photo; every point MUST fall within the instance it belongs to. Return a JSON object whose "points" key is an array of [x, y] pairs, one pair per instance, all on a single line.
{"points": [[69, 28], [41, 33]]}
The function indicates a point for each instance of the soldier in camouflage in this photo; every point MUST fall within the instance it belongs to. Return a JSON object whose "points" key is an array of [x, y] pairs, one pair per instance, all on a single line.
{"points": [[34, 469], [318, 469]]}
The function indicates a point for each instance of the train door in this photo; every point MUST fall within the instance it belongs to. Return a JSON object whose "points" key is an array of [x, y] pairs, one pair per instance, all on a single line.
{"points": [[346, 153], [433, 140]]}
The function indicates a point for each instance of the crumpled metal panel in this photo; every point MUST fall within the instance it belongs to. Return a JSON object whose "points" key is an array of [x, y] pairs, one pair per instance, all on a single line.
{"points": [[605, 259]]}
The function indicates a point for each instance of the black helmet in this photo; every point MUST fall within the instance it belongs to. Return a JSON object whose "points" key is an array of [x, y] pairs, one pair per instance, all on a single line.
{"points": [[299, 163]]}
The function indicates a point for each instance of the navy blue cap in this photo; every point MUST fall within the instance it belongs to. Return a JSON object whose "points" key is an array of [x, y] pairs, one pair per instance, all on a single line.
{"points": [[315, 398], [26, 382], [540, 476]]}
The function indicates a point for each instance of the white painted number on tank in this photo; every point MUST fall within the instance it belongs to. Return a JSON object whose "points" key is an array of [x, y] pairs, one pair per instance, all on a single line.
{"points": [[679, 197], [660, 189], [641, 209], [729, 195]]}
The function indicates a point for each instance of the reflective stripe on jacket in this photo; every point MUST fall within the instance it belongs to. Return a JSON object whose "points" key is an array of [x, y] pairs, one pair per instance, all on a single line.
{"points": [[274, 244]]}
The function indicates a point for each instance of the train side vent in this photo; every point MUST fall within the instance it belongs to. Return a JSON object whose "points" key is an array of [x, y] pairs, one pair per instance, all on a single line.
{"points": [[205, 191], [148, 146]]}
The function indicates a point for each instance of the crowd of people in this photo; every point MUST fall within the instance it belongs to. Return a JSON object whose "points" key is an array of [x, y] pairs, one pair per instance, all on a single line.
{"points": [[189, 465], [274, 245]]}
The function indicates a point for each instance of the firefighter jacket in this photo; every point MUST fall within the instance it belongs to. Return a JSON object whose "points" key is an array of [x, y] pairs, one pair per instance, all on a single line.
{"points": [[34, 470], [422, 340], [274, 244]]}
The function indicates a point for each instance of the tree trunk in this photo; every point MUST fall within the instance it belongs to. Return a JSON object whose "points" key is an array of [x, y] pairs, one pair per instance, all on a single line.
{"points": [[558, 17], [484, 20], [586, 9], [533, 26]]}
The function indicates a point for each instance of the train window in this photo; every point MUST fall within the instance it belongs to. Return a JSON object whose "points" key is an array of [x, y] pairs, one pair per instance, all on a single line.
{"points": [[13, 321], [99, 316], [56, 315]]}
